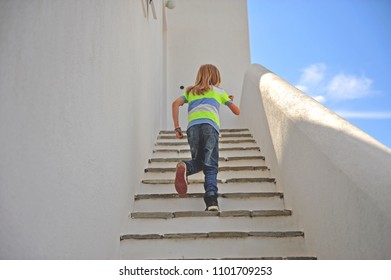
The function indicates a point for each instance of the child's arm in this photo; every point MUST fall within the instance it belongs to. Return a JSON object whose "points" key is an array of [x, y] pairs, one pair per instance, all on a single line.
{"points": [[235, 109], [175, 115]]}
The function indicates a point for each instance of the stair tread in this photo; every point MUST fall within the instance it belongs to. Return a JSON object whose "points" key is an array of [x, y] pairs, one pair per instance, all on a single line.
{"points": [[232, 135], [178, 159], [215, 234], [197, 204], [261, 258], [221, 168], [221, 141], [227, 213], [220, 181], [215, 248], [222, 130], [201, 195], [187, 150]]}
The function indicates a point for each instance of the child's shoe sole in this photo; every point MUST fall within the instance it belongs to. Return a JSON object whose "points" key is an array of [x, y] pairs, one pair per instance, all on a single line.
{"points": [[180, 179], [212, 208], [211, 203]]}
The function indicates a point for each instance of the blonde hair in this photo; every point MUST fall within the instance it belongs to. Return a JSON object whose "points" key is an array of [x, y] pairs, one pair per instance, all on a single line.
{"points": [[208, 75]]}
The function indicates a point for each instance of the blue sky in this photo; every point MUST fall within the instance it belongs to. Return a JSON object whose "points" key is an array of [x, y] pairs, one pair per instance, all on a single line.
{"points": [[337, 51]]}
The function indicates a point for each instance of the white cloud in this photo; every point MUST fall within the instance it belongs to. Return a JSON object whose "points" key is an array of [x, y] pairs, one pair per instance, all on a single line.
{"points": [[313, 74], [348, 87], [312, 79], [316, 81], [364, 115]]}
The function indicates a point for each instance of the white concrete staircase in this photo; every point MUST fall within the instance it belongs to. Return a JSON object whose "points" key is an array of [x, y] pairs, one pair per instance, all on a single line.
{"points": [[252, 223]]}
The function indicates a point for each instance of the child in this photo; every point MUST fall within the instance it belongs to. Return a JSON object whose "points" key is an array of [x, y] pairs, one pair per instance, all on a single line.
{"points": [[204, 100]]}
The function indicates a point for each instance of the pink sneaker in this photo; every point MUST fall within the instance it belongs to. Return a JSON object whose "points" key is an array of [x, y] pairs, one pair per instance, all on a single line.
{"points": [[180, 179]]}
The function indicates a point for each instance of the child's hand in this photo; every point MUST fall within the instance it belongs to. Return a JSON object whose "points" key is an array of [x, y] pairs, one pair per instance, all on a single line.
{"points": [[231, 97], [178, 133]]}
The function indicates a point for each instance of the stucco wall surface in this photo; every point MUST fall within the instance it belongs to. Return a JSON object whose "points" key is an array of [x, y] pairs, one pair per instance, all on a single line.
{"points": [[79, 112], [336, 178], [207, 32]]}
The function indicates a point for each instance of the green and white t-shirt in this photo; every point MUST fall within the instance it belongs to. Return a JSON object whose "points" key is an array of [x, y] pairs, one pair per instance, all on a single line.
{"points": [[204, 108]]}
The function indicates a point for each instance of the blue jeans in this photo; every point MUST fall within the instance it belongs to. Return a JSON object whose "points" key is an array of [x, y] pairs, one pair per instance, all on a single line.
{"points": [[204, 147]]}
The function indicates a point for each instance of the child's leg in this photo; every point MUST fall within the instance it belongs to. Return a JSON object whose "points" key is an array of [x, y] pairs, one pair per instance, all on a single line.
{"points": [[186, 168], [196, 149], [211, 164]]}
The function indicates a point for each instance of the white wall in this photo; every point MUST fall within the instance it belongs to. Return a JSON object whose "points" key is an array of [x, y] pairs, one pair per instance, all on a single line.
{"points": [[207, 32], [336, 178], [80, 106]]}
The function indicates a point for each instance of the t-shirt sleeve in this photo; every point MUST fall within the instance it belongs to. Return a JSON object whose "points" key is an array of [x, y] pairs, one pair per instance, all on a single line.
{"points": [[184, 97], [225, 99]]}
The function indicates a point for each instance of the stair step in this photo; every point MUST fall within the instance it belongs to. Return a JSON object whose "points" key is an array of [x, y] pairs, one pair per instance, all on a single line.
{"points": [[190, 221], [220, 149], [226, 188], [232, 158], [173, 137], [192, 203], [230, 245], [273, 258], [201, 195], [223, 130], [221, 168], [178, 143], [235, 149], [189, 214], [240, 163], [222, 175], [220, 181], [221, 234], [223, 155]]}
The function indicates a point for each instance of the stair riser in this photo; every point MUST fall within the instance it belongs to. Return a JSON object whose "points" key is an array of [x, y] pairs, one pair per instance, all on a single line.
{"points": [[192, 224], [187, 150], [161, 169], [196, 204], [223, 175], [222, 136], [198, 188], [222, 154], [185, 145], [222, 131], [222, 163], [212, 248]]}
